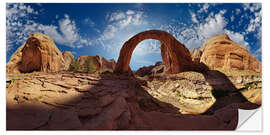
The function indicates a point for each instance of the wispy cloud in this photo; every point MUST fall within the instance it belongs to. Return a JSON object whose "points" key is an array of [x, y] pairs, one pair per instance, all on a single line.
{"points": [[20, 25]]}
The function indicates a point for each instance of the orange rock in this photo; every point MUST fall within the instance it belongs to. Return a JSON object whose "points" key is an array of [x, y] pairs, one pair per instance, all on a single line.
{"points": [[175, 55], [99, 61], [196, 55], [68, 57], [221, 52], [39, 53]]}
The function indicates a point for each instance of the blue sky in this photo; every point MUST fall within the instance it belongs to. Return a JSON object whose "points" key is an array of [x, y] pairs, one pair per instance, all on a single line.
{"points": [[101, 29]]}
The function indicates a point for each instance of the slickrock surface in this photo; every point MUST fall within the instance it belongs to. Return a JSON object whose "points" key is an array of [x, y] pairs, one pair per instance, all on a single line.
{"points": [[79, 101], [196, 93], [39, 53]]}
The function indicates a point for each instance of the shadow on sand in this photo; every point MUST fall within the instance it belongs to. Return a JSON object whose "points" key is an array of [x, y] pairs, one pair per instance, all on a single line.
{"points": [[118, 102]]}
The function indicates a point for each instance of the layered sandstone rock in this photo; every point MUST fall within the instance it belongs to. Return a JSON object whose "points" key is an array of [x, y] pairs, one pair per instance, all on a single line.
{"points": [[221, 52], [79, 101], [99, 61], [68, 57], [196, 55], [175, 55], [39, 53], [158, 68]]}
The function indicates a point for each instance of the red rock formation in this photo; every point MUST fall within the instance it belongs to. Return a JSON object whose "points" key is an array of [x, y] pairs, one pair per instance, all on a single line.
{"points": [[158, 68], [221, 52], [99, 61], [39, 53], [68, 57], [175, 55]]}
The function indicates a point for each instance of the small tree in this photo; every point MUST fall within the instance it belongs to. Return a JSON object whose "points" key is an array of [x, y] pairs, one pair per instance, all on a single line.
{"points": [[89, 65], [75, 66]]}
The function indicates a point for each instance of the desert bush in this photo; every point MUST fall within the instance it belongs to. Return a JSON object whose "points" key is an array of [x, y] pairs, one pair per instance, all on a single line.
{"points": [[75, 66], [89, 65]]}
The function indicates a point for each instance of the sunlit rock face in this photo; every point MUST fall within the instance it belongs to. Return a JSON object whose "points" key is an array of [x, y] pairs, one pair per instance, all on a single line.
{"points": [[39, 53], [68, 57], [221, 52], [175, 55], [99, 62]]}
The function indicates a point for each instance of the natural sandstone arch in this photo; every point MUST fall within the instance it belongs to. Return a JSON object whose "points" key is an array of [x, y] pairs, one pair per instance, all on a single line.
{"points": [[31, 56], [175, 55]]}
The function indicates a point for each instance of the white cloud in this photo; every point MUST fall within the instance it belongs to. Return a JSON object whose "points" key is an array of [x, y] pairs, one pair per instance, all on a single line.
{"points": [[237, 11], [116, 16], [128, 18], [193, 17], [252, 6], [195, 36], [89, 21], [19, 27], [69, 31], [130, 12], [238, 38], [232, 18], [255, 22], [204, 8], [213, 26], [15, 15]]}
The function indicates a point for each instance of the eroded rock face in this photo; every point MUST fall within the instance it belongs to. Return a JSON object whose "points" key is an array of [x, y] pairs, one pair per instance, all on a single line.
{"points": [[221, 52], [158, 68], [196, 55], [39, 53], [68, 57], [175, 55], [99, 61]]}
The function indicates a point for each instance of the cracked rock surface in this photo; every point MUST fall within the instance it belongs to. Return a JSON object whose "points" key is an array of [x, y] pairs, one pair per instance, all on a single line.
{"points": [[80, 101]]}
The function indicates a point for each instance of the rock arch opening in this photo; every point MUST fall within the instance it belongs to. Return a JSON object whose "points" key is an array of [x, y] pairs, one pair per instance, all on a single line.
{"points": [[147, 53], [175, 56], [31, 56]]}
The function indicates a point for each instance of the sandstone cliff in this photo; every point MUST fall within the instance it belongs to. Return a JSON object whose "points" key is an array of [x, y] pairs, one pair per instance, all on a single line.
{"points": [[68, 57], [221, 52], [99, 62], [39, 53]]}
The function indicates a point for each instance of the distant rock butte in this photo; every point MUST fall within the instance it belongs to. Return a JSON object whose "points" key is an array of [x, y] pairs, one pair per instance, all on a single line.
{"points": [[221, 52], [68, 57], [99, 61], [39, 53], [150, 70]]}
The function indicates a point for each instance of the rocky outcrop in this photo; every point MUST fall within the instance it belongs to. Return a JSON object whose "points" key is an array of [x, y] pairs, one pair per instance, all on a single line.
{"points": [[68, 57], [80, 101], [39, 53], [158, 68], [99, 61], [221, 52], [175, 56], [196, 55]]}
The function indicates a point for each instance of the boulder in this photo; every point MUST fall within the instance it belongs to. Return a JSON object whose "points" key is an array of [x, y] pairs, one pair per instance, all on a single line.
{"points": [[68, 57], [221, 52], [39, 53]]}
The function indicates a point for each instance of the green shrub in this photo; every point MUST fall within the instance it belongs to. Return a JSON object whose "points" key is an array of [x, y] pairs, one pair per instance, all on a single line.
{"points": [[89, 65], [75, 66]]}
